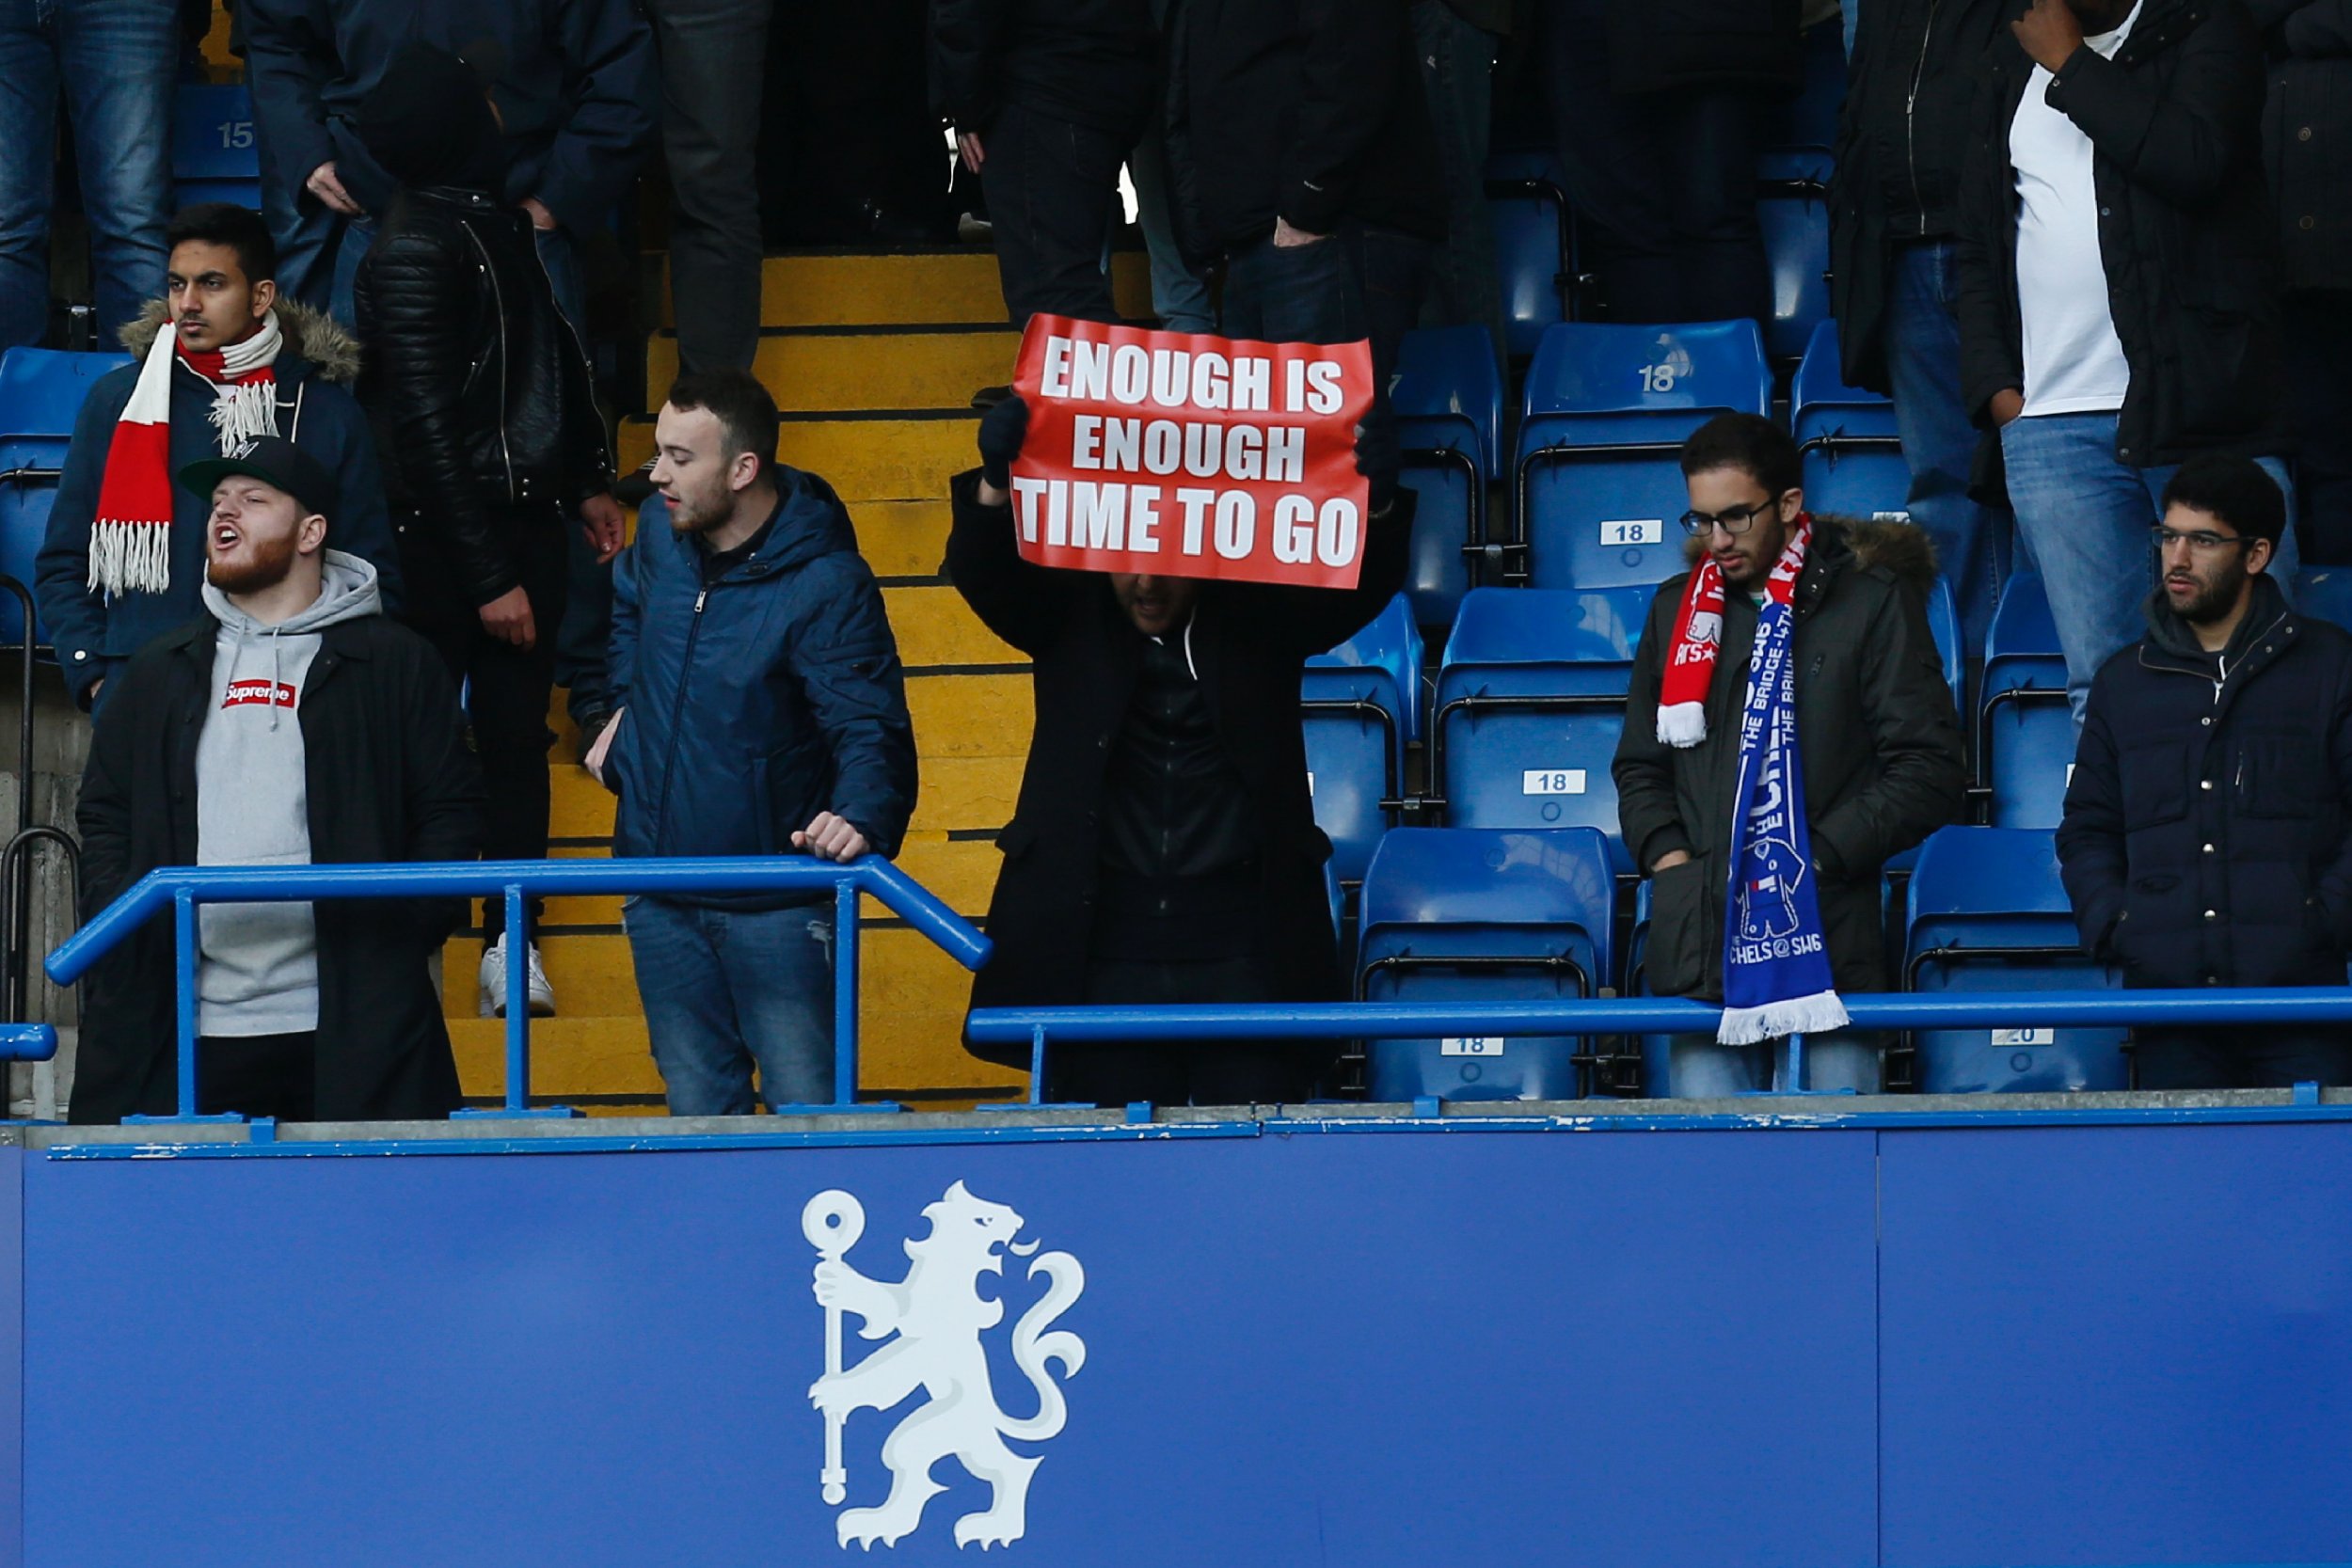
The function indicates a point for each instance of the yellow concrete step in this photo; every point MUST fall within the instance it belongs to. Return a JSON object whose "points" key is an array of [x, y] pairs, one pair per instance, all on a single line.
{"points": [[972, 715], [902, 539], [829, 369], [882, 458], [934, 627], [911, 288]]}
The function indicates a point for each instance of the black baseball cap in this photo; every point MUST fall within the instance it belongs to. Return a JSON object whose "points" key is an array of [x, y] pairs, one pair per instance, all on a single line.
{"points": [[275, 461]]}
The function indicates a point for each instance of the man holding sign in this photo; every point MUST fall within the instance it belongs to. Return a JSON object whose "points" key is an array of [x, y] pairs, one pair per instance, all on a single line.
{"points": [[1169, 525]]}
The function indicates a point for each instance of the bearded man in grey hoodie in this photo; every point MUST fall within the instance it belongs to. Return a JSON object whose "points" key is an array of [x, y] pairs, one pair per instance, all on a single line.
{"points": [[292, 723]]}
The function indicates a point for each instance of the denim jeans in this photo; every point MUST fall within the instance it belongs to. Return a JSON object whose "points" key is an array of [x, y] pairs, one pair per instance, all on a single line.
{"points": [[111, 63], [1457, 70], [1923, 358], [1703, 1069], [2085, 518], [1180, 292], [725, 990], [1053, 194]]}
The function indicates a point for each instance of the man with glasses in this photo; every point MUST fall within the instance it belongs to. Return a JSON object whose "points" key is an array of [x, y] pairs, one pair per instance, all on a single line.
{"points": [[2205, 840], [1874, 750]]}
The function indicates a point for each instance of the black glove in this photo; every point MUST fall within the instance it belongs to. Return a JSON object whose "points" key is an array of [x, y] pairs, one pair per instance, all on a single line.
{"points": [[1377, 458], [1003, 429]]}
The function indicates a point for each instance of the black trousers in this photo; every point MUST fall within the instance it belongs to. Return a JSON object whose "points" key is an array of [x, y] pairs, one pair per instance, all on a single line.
{"points": [[1053, 192], [256, 1075], [2319, 344], [506, 688], [1181, 1073], [2239, 1058]]}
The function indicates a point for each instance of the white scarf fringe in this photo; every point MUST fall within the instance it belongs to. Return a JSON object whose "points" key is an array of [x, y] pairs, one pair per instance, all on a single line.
{"points": [[1817, 1014], [245, 413], [1681, 724], [130, 557]]}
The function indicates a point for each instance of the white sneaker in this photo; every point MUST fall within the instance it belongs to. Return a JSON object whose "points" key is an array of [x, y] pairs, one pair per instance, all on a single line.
{"points": [[492, 1003]]}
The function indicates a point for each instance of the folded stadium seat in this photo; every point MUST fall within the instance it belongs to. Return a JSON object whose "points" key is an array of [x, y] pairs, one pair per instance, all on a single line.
{"points": [[2327, 592], [1458, 914], [213, 153], [1530, 702], [1792, 205], [41, 393], [1598, 487], [1986, 913], [2024, 730], [1360, 706], [1448, 396], [1527, 201], [1853, 454]]}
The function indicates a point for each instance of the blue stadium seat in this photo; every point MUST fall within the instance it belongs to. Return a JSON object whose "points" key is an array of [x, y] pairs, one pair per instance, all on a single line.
{"points": [[2327, 592], [1360, 705], [1987, 913], [1448, 396], [1606, 410], [1527, 201], [213, 156], [41, 394], [1792, 205], [1453, 915], [1530, 702], [1853, 455], [1944, 623], [2024, 730]]}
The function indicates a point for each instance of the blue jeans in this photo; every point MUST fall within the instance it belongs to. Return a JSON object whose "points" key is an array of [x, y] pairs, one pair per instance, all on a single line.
{"points": [[1703, 1069], [1180, 295], [1457, 69], [1939, 444], [725, 990], [112, 61], [2085, 517]]}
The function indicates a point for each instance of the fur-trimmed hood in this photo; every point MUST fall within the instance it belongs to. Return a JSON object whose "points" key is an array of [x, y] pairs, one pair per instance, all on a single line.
{"points": [[1904, 551], [312, 336]]}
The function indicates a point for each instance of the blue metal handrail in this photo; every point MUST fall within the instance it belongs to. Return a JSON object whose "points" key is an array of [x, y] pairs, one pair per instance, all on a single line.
{"points": [[183, 888], [1641, 1014]]}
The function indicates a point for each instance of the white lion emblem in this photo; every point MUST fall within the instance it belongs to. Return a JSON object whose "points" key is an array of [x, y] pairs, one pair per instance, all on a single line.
{"points": [[939, 1315]]}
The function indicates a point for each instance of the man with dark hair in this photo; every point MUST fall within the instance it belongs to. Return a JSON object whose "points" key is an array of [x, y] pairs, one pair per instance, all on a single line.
{"points": [[222, 361], [2118, 286], [1787, 729], [764, 712], [290, 723], [479, 390], [2208, 830]]}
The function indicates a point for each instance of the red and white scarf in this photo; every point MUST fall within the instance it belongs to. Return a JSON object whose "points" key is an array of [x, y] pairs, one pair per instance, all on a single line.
{"points": [[130, 539], [1698, 636]]}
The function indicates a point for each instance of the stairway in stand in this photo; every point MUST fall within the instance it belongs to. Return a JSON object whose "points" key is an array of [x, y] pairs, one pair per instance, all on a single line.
{"points": [[872, 357]]}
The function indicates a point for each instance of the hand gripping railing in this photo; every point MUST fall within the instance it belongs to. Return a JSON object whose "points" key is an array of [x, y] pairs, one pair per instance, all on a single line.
{"points": [[183, 888], [2205, 1007]]}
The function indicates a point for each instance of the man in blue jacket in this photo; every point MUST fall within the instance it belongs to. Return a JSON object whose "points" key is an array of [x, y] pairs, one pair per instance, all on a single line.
{"points": [[763, 712], [243, 363]]}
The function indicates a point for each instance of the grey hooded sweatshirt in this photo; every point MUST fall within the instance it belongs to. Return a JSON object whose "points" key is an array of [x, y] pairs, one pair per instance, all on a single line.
{"points": [[258, 972]]}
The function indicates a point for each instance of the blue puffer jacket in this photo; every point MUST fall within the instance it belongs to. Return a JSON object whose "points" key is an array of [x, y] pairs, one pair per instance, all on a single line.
{"points": [[759, 702]]}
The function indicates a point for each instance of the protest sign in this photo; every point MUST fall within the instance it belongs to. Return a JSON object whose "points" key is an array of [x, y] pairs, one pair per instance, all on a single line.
{"points": [[1186, 454]]}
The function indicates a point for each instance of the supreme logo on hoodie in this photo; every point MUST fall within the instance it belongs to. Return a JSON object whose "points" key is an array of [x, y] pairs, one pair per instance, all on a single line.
{"points": [[258, 693]]}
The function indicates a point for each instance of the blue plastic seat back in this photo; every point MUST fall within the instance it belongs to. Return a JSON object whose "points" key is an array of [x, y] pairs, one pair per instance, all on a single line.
{"points": [[1986, 913], [1599, 484], [1792, 207], [2026, 731], [1448, 397], [1452, 915], [1852, 451], [214, 155], [1527, 204], [42, 392], [1944, 623], [1361, 709], [23, 520], [2327, 592]]}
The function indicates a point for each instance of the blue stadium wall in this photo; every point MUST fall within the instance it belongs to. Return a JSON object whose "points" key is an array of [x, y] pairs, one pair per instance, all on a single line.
{"points": [[1854, 1341]]}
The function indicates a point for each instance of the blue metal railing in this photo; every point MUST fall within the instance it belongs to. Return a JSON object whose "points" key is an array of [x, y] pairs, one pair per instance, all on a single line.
{"points": [[1319, 1021], [183, 888]]}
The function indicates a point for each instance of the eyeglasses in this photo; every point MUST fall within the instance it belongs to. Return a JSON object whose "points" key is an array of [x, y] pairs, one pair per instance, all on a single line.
{"points": [[2200, 541], [1735, 521]]}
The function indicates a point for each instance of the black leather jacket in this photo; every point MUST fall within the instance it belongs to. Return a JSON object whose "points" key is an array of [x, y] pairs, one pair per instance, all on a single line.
{"points": [[477, 387]]}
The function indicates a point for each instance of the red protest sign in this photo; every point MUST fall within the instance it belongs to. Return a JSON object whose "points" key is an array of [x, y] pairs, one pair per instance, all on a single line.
{"points": [[1184, 454]]}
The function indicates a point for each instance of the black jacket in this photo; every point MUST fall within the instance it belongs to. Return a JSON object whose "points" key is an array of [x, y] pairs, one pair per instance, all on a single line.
{"points": [[1903, 146], [1667, 45], [476, 385], [2205, 839], [1309, 110], [389, 778], [2191, 258], [1249, 643], [1091, 61], [2307, 135], [1875, 726]]}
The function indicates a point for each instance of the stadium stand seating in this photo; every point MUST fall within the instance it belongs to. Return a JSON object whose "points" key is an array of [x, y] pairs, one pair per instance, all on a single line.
{"points": [[1853, 455], [2024, 730], [2327, 592], [1448, 396], [1360, 706], [1534, 244], [1987, 913], [214, 155], [41, 393], [1606, 409], [1461, 914], [1530, 702], [1792, 205]]}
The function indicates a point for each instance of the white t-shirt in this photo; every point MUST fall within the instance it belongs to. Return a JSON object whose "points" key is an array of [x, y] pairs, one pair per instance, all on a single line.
{"points": [[2074, 362]]}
